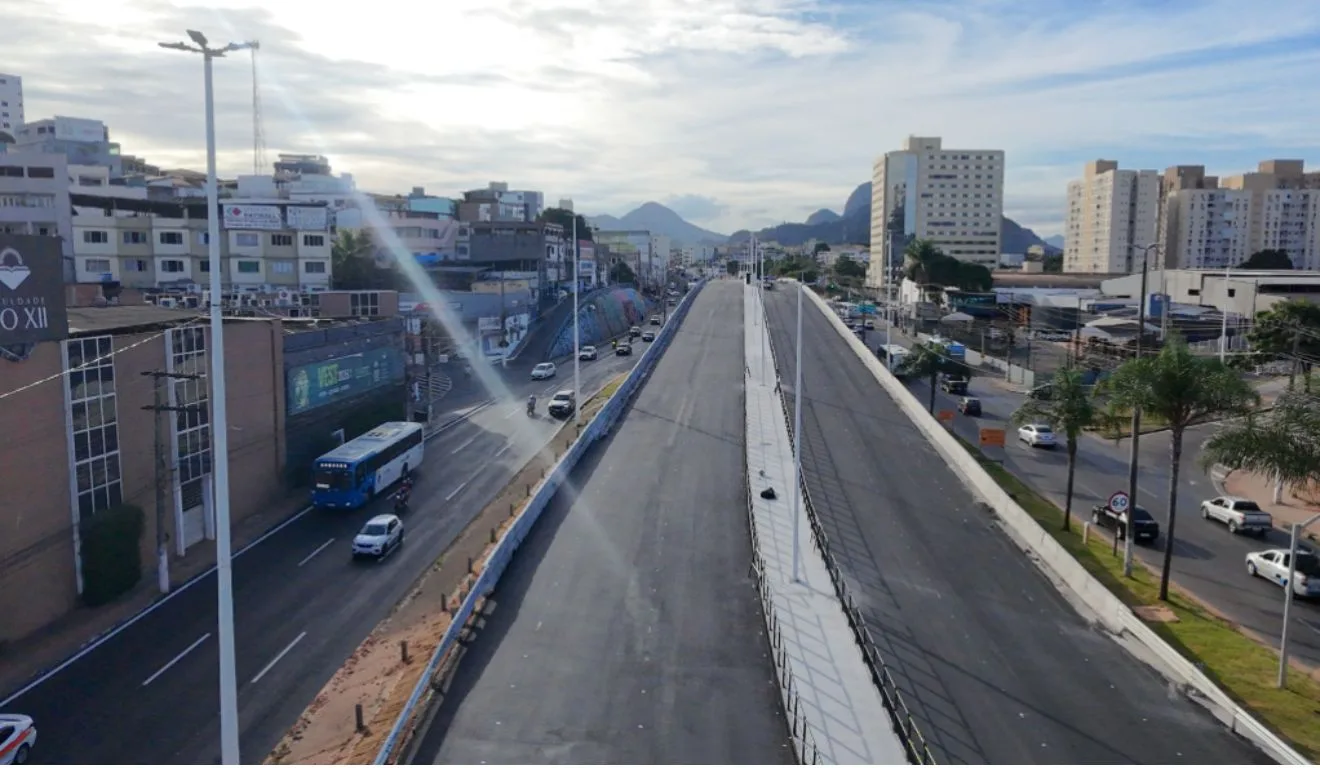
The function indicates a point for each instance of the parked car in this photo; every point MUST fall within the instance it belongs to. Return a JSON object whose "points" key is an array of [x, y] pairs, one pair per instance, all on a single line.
{"points": [[544, 371], [648, 336], [1240, 515], [18, 737], [1037, 435], [587, 353], [623, 350], [969, 406], [1144, 527], [1272, 565], [563, 403], [379, 537]]}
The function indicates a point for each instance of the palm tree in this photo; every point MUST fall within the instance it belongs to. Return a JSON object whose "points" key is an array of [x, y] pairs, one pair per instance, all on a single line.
{"points": [[918, 258], [930, 360], [1284, 445], [1182, 389], [1070, 409]]}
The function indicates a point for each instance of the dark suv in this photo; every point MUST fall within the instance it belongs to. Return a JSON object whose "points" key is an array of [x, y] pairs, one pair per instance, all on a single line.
{"points": [[1144, 527]]}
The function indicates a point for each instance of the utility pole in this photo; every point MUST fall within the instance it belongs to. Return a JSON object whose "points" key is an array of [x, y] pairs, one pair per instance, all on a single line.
{"points": [[163, 474], [1134, 449]]}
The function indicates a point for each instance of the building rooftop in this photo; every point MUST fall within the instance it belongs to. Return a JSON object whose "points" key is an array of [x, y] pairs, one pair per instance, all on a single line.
{"points": [[88, 320], [1017, 279]]}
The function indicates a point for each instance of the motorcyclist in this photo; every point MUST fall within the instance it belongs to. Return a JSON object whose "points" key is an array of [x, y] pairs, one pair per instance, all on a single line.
{"points": [[614, 343], [405, 491], [531, 405]]}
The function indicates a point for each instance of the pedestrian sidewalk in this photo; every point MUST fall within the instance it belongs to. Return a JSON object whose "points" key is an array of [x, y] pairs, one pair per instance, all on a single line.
{"points": [[1296, 505], [845, 716]]}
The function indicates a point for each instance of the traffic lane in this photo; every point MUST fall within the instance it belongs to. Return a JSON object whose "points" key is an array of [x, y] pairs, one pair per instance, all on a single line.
{"points": [[989, 656], [1207, 560], [628, 630], [119, 666]]}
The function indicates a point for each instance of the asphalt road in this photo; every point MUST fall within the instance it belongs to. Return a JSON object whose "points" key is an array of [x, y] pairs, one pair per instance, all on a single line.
{"points": [[627, 630], [150, 694], [1208, 561], [996, 666]]}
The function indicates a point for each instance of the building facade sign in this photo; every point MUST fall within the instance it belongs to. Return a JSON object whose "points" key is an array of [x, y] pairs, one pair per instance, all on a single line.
{"points": [[307, 218], [31, 290], [252, 217], [316, 384]]}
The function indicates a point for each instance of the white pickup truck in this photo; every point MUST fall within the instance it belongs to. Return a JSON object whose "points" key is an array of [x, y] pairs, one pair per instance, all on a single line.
{"points": [[1240, 515]]}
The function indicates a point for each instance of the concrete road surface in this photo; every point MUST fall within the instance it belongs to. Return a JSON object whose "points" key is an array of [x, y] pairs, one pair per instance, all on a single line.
{"points": [[627, 629], [150, 693], [996, 666]]}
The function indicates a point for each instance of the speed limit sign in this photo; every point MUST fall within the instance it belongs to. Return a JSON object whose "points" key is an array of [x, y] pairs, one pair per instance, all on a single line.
{"points": [[1119, 501]]}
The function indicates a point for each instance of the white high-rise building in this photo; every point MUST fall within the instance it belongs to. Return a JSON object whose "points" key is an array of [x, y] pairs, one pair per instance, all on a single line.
{"points": [[11, 103], [952, 197], [1112, 214]]}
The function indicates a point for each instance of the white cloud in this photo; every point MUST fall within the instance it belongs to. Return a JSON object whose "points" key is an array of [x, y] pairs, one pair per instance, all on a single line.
{"points": [[768, 109]]}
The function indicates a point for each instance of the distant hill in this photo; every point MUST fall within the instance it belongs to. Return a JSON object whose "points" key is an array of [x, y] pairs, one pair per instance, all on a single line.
{"points": [[1055, 240], [659, 220], [823, 216]]}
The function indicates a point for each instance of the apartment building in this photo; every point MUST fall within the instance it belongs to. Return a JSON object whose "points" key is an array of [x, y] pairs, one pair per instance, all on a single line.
{"points": [[1112, 214], [1213, 223], [645, 253], [498, 203], [952, 197], [11, 103], [263, 248], [82, 141], [34, 199]]}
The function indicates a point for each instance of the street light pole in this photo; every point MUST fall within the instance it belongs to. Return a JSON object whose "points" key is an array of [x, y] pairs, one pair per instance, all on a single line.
{"points": [[577, 359], [797, 431], [229, 747], [1288, 597], [1133, 449]]}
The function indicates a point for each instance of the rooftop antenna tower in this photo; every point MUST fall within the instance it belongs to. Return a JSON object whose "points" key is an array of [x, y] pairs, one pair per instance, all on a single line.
{"points": [[258, 135]]}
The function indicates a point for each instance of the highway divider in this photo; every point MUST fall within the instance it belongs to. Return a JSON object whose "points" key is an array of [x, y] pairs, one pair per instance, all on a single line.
{"points": [[500, 557], [1116, 616], [914, 743]]}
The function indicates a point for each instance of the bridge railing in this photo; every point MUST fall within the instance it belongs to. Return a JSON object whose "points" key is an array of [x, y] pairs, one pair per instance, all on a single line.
{"points": [[905, 725]]}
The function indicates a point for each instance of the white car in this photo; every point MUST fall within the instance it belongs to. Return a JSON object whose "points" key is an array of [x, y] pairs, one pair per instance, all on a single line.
{"points": [[18, 736], [544, 371], [587, 353], [1238, 514], [1272, 565], [1037, 435], [380, 536]]}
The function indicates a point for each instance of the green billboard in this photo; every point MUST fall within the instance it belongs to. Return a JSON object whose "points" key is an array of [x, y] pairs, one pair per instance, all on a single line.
{"points": [[316, 384]]}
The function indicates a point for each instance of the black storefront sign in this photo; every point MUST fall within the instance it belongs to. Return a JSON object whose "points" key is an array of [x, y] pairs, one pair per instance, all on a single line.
{"points": [[31, 290]]}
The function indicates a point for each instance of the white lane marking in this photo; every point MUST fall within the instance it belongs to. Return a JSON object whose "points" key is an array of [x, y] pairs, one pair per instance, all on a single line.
{"points": [[281, 655], [509, 415], [501, 451], [315, 552], [176, 659], [465, 444], [455, 492]]}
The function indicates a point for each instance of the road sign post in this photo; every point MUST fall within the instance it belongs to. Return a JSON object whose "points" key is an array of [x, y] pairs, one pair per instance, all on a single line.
{"points": [[1119, 502]]}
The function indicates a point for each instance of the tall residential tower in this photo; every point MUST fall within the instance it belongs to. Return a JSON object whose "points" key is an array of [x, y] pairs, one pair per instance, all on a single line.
{"points": [[1111, 215]]}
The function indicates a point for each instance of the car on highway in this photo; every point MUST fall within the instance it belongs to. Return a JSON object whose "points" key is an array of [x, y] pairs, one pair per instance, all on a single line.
{"points": [[1037, 435], [868, 325], [563, 403], [544, 371], [954, 385], [623, 350], [655, 320], [380, 536], [587, 353], [18, 737], [1240, 515], [634, 332], [969, 406], [1144, 527], [648, 336], [1272, 565]]}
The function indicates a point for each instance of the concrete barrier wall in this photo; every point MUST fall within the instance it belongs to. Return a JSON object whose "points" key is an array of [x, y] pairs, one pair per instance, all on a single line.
{"points": [[1109, 609], [499, 558], [603, 315]]}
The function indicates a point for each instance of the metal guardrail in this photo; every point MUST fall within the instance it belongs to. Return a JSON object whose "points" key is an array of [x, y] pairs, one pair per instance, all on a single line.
{"points": [[905, 725], [499, 558]]}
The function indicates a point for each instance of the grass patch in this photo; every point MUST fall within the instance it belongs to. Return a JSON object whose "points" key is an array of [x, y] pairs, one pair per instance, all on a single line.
{"points": [[1242, 667], [613, 386]]}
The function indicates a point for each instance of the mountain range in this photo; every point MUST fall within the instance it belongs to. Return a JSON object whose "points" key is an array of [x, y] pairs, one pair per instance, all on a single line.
{"points": [[852, 226]]}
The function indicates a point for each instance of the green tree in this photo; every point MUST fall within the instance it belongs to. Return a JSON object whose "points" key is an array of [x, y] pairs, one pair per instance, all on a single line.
{"points": [[845, 267], [929, 360], [1069, 409], [1283, 444], [564, 218], [622, 273], [732, 266], [353, 264], [1053, 262], [1270, 258], [1291, 330], [919, 258], [821, 248], [1181, 389]]}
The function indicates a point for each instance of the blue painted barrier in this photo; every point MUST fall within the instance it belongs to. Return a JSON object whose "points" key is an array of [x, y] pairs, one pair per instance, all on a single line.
{"points": [[500, 557]]}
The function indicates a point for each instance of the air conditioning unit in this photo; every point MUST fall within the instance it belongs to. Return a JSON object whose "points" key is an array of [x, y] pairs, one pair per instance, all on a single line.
{"points": [[168, 302]]}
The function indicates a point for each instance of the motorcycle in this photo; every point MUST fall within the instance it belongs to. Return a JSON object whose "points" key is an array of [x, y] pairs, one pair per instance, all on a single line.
{"points": [[401, 499], [531, 407]]}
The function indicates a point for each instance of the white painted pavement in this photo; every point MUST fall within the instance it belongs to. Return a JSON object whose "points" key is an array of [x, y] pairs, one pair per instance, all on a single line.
{"points": [[845, 714]]}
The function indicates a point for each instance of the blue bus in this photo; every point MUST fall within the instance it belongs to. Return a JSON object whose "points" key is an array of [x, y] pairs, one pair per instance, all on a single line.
{"points": [[348, 476]]}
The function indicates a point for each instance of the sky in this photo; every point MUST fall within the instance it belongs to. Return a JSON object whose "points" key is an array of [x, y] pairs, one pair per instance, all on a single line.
{"points": [[736, 113]]}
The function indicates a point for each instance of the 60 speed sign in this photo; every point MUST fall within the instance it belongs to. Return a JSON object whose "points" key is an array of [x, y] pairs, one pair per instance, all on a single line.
{"points": [[1118, 501]]}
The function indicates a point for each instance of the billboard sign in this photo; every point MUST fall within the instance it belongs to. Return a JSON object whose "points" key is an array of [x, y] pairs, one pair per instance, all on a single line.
{"points": [[31, 290], [316, 384], [307, 218], [252, 217]]}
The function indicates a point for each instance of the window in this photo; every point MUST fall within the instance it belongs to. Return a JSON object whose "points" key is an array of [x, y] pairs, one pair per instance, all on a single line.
{"points": [[281, 267], [206, 265], [135, 265], [279, 239], [192, 424], [97, 265], [96, 236], [11, 171], [314, 267], [93, 424], [314, 241], [246, 239], [171, 265], [40, 172], [170, 238], [364, 304], [249, 267], [135, 238], [203, 238]]}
